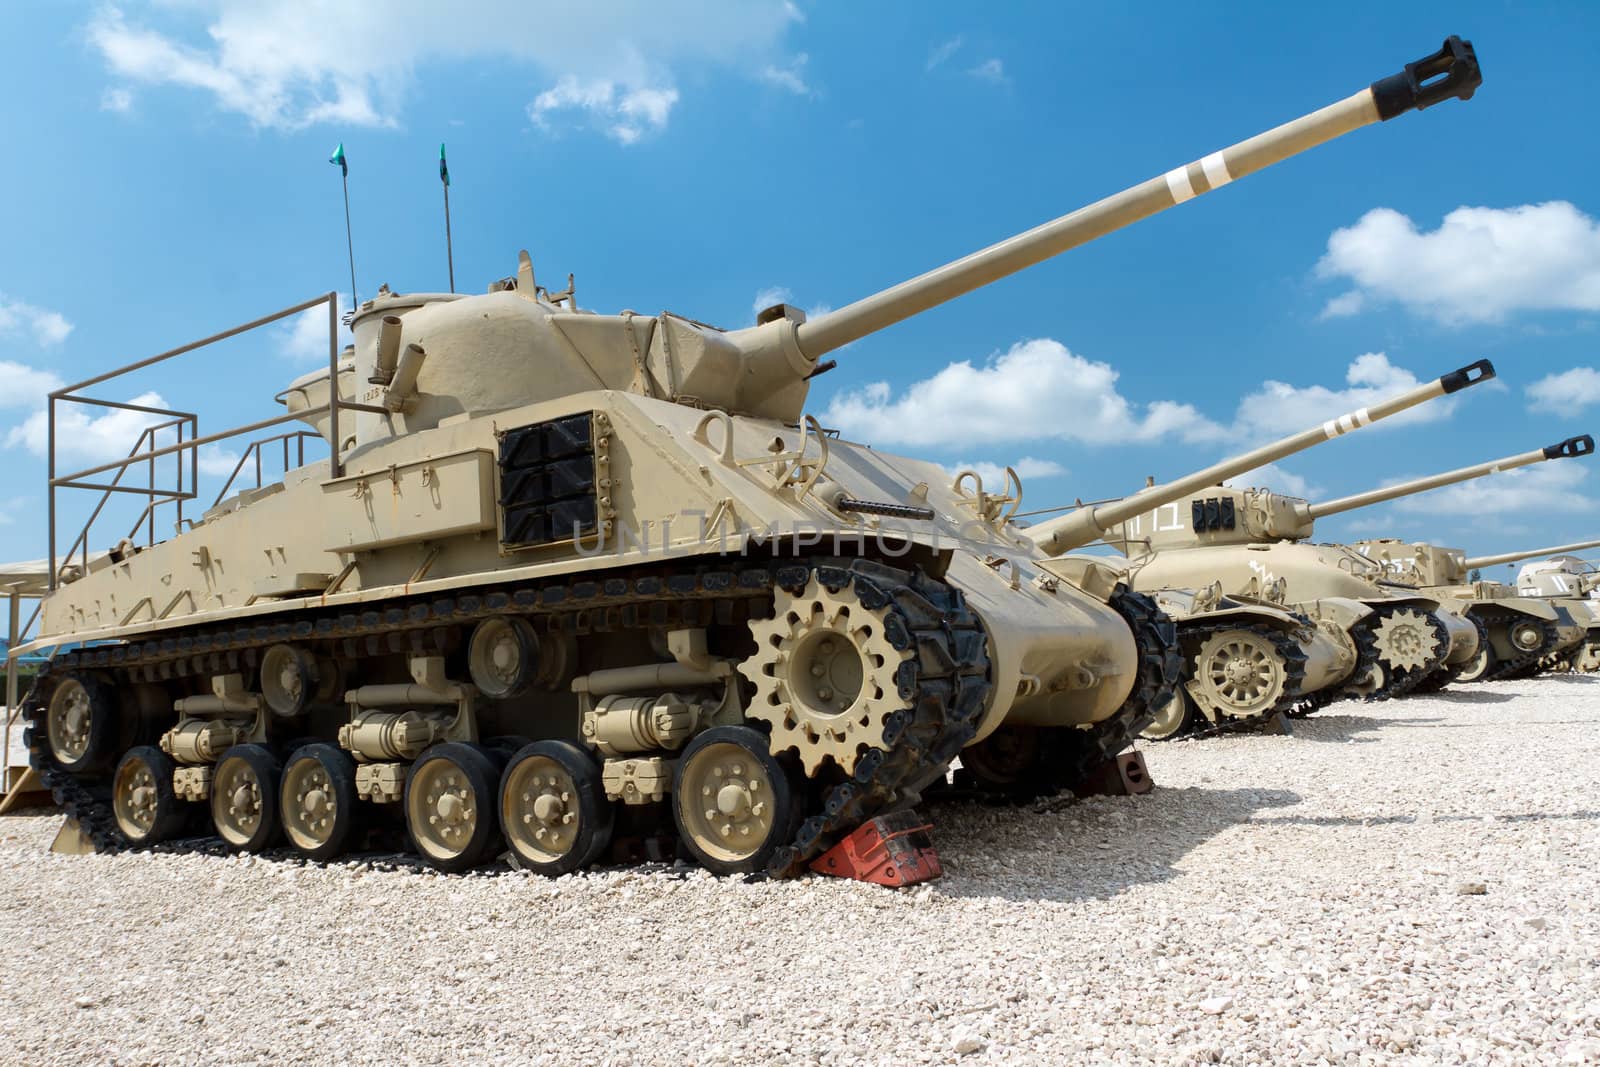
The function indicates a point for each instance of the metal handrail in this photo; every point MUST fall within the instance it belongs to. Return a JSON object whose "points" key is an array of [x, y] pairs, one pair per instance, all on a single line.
{"points": [[149, 433], [67, 395], [297, 436]]}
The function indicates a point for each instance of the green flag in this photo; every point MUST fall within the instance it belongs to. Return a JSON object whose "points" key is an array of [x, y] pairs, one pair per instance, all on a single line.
{"points": [[444, 170], [344, 168]]}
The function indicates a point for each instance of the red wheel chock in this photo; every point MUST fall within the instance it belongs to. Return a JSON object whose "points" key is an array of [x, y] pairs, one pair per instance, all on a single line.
{"points": [[893, 850]]}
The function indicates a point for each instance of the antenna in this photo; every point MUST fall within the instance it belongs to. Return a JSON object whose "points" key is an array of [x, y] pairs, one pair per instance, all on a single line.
{"points": [[344, 173], [449, 251]]}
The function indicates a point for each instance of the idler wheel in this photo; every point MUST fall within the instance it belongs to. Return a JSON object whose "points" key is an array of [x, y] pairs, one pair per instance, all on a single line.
{"points": [[1239, 673], [733, 801], [80, 723], [244, 798], [318, 800], [146, 809], [449, 805], [1170, 719], [553, 808], [1479, 665]]}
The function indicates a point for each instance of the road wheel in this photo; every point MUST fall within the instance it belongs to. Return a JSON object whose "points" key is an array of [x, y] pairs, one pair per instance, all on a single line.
{"points": [[145, 807], [450, 803], [553, 808], [244, 798], [318, 800], [733, 801]]}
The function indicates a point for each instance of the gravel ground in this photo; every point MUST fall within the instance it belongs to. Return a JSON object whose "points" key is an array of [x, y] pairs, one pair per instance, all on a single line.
{"points": [[1407, 881]]}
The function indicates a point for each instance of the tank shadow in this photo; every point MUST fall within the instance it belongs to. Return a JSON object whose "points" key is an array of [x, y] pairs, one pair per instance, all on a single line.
{"points": [[1472, 695], [1344, 729], [1067, 850], [1571, 679]]}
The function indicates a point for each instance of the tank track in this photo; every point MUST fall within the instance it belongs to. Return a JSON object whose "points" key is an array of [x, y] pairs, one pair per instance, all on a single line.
{"points": [[1159, 673], [1366, 659], [945, 682], [1294, 667], [1528, 663]]}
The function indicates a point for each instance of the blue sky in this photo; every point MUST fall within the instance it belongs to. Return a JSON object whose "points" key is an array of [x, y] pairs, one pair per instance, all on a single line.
{"points": [[168, 178]]}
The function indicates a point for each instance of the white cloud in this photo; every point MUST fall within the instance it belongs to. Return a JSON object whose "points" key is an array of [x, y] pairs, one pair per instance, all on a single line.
{"points": [[116, 99], [1480, 265], [1038, 390], [625, 115], [304, 338], [1035, 390], [47, 327], [943, 52], [791, 76], [86, 437], [217, 461], [1566, 393], [289, 64], [990, 70], [994, 474], [1529, 492], [1271, 476], [1278, 408], [22, 386], [1344, 305]]}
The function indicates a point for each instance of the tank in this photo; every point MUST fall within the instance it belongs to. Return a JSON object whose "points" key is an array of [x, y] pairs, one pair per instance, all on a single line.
{"points": [[1249, 654], [1522, 632], [573, 579], [1572, 582], [1243, 664], [1249, 539]]}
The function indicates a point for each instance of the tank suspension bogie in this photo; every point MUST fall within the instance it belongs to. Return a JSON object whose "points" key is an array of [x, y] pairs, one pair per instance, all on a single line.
{"points": [[414, 744]]}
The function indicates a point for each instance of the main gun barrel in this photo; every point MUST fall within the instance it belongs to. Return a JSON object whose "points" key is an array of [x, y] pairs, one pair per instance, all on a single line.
{"points": [[1089, 524], [1451, 72], [1512, 557], [1572, 447]]}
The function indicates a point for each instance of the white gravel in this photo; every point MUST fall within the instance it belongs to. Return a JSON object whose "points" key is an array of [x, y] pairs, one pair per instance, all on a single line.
{"points": [[1411, 881]]}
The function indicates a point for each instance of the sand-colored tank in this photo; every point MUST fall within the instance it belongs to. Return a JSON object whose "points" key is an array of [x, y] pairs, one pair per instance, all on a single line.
{"points": [[566, 572], [1523, 632], [1574, 583], [1195, 534], [1249, 654], [1249, 540]]}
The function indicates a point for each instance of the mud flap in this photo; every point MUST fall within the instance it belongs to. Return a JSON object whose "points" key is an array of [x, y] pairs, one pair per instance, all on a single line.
{"points": [[893, 850]]}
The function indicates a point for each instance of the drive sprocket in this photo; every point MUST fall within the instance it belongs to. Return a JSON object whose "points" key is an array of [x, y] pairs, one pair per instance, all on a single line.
{"points": [[1406, 641], [824, 671]]}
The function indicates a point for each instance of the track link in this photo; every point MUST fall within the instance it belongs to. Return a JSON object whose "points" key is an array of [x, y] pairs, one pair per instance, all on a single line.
{"points": [[945, 682], [1294, 662]]}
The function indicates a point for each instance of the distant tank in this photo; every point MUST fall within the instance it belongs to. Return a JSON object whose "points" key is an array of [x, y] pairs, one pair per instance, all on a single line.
{"points": [[1349, 629], [1522, 631], [569, 574], [1572, 582]]}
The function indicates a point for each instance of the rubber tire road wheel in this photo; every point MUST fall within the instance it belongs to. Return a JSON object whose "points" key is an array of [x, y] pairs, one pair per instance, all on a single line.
{"points": [[468, 773], [731, 746], [1478, 667], [257, 767], [333, 766], [101, 730], [170, 814], [578, 792]]}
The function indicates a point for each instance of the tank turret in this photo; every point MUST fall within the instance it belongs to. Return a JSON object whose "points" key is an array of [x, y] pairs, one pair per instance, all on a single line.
{"points": [[565, 570]]}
